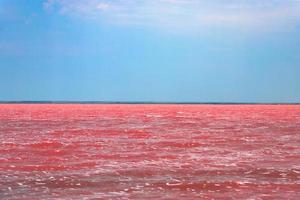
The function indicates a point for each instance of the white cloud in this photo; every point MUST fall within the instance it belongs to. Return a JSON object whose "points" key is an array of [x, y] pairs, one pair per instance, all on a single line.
{"points": [[102, 6], [186, 14]]}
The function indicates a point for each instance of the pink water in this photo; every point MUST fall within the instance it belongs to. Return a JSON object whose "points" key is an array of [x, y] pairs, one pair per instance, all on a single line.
{"points": [[149, 152]]}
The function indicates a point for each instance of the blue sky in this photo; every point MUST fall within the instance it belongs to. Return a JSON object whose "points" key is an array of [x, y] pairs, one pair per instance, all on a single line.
{"points": [[163, 50]]}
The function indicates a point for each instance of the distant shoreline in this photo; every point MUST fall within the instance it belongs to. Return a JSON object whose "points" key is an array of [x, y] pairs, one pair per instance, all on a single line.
{"points": [[146, 102]]}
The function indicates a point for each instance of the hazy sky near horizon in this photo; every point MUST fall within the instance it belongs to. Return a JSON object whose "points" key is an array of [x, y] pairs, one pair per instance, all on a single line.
{"points": [[150, 50]]}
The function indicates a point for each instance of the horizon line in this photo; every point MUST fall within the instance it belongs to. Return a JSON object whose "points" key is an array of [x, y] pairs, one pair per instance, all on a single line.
{"points": [[150, 102]]}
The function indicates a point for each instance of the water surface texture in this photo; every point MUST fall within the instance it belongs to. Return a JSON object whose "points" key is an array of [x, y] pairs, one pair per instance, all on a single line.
{"points": [[149, 152]]}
